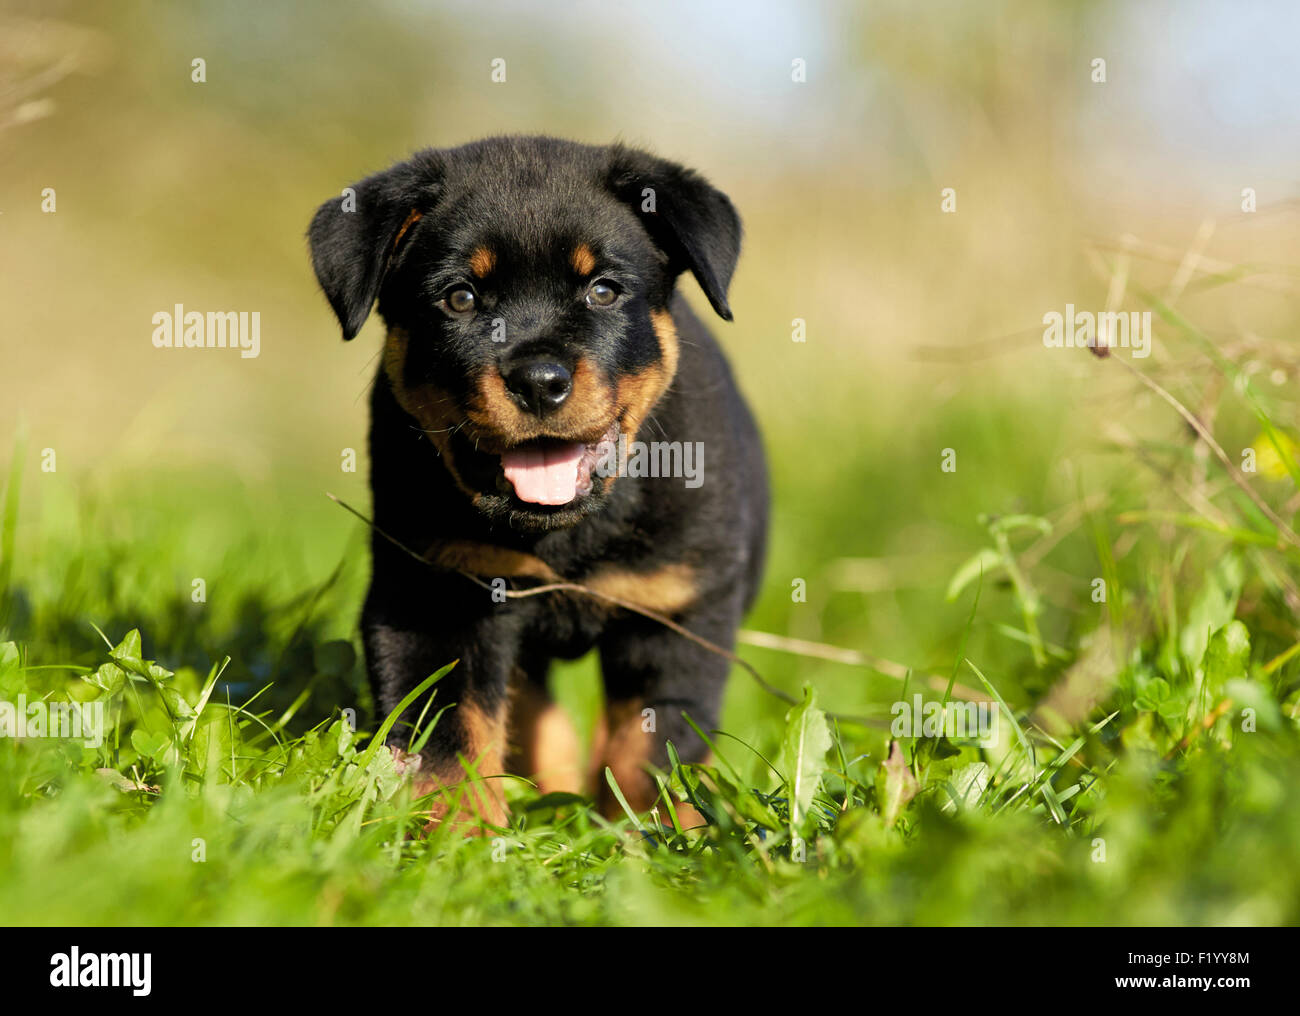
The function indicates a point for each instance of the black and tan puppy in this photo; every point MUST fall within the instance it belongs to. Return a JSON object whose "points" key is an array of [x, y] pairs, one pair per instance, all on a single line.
{"points": [[527, 285]]}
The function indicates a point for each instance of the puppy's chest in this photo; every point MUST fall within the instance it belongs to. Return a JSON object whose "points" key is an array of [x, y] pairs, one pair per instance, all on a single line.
{"points": [[568, 623], [564, 625]]}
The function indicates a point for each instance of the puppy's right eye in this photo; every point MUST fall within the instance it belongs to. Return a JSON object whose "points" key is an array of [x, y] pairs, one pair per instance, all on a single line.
{"points": [[459, 300]]}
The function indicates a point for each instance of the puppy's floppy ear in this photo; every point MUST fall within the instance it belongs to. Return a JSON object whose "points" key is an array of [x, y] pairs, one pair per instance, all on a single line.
{"points": [[353, 238], [688, 219]]}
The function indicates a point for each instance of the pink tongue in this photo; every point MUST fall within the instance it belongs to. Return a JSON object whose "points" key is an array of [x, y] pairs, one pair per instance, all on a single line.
{"points": [[544, 475]]}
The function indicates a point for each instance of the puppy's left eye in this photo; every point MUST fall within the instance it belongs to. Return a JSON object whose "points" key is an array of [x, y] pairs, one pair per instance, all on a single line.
{"points": [[601, 293], [460, 300]]}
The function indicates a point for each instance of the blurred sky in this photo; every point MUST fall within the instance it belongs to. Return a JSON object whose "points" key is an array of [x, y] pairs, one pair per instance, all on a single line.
{"points": [[1195, 86], [1209, 88]]}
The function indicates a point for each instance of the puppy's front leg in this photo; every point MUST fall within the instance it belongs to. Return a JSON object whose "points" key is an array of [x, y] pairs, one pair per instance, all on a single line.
{"points": [[409, 636], [653, 675]]}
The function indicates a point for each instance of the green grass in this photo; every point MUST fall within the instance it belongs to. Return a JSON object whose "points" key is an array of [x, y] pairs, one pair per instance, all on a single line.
{"points": [[1147, 768]]}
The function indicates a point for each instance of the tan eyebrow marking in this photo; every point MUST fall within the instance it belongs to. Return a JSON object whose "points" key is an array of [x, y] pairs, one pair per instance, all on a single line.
{"points": [[583, 260], [482, 261]]}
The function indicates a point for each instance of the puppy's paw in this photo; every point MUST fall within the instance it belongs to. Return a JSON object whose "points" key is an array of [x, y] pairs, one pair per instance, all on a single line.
{"points": [[472, 805]]}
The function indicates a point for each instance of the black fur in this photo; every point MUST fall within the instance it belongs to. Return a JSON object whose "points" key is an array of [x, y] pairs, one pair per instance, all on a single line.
{"points": [[530, 201]]}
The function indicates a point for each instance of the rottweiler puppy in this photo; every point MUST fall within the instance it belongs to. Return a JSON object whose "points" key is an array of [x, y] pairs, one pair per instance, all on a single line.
{"points": [[548, 409]]}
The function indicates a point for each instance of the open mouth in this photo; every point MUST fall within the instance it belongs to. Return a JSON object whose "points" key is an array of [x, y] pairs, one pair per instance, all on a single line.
{"points": [[550, 472]]}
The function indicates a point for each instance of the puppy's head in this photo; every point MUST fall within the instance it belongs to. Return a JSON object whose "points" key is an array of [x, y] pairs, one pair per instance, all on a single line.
{"points": [[525, 284]]}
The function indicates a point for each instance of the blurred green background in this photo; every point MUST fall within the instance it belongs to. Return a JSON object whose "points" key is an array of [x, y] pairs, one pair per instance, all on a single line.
{"points": [[923, 328]]}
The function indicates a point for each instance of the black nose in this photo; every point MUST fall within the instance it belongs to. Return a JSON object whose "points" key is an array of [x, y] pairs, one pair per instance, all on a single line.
{"points": [[540, 386]]}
